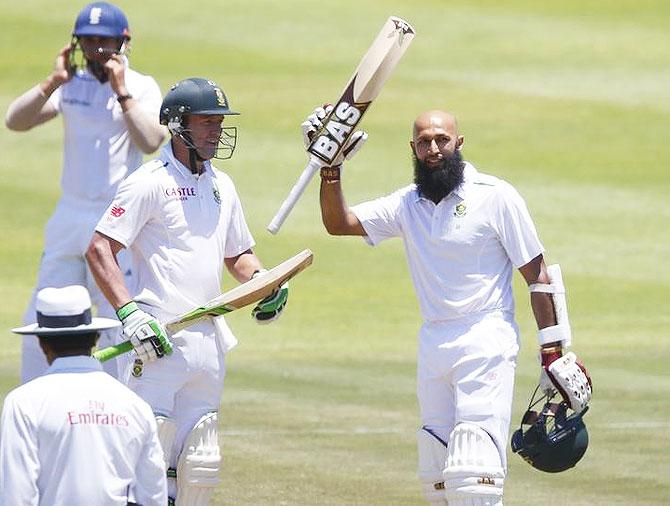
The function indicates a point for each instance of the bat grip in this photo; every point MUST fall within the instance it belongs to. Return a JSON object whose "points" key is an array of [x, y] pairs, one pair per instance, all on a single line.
{"points": [[113, 351], [298, 189]]}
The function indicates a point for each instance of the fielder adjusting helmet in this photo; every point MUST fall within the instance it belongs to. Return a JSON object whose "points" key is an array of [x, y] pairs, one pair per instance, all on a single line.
{"points": [[550, 440], [101, 19]]}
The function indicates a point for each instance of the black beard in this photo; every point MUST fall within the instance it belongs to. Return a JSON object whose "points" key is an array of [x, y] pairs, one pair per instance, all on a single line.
{"points": [[435, 184], [98, 70]]}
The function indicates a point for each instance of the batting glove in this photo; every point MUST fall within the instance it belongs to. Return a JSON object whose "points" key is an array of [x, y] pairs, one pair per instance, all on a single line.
{"points": [[567, 375], [314, 123], [146, 334], [270, 308]]}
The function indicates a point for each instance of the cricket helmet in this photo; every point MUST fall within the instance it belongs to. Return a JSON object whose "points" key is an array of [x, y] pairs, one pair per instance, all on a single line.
{"points": [[192, 96], [101, 19], [550, 440]]}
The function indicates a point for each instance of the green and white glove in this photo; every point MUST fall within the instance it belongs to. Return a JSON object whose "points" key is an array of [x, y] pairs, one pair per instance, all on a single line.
{"points": [[270, 308], [148, 337]]}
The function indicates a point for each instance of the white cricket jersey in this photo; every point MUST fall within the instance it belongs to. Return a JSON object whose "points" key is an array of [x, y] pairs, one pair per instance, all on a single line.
{"points": [[78, 436], [98, 151], [180, 227], [461, 251]]}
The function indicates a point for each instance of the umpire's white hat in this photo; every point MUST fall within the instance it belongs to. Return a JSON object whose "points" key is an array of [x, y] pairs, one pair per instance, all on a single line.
{"points": [[63, 311]]}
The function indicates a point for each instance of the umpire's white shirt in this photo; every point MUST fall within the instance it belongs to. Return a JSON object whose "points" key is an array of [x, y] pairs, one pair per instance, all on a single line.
{"points": [[180, 228], [98, 151], [461, 251], [77, 436]]}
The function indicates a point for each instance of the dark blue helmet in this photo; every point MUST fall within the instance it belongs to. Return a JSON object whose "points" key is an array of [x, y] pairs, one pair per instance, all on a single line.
{"points": [[550, 440], [101, 19]]}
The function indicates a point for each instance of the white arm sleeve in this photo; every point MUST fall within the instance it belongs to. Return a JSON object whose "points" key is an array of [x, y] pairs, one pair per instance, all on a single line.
{"points": [[142, 120], [30, 109], [380, 217]]}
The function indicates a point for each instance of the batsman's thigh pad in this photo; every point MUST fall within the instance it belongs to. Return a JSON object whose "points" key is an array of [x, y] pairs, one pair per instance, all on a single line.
{"points": [[474, 474], [432, 461], [199, 463]]}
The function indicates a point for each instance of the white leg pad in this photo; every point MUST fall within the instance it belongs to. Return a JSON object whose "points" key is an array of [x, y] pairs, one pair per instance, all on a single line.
{"points": [[474, 474], [199, 463], [432, 461]]}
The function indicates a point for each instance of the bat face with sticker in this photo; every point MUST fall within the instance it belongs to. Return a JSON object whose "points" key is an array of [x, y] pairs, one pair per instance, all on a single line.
{"points": [[337, 128]]}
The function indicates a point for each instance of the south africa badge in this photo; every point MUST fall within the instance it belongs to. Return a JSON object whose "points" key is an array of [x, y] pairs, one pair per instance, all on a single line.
{"points": [[460, 210], [217, 195]]}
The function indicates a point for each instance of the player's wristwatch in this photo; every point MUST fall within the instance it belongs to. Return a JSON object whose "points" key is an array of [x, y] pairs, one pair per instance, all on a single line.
{"points": [[122, 98]]}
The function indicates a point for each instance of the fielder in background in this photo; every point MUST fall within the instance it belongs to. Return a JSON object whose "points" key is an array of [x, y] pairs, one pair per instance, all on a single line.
{"points": [[183, 222], [110, 118], [463, 232], [76, 435]]}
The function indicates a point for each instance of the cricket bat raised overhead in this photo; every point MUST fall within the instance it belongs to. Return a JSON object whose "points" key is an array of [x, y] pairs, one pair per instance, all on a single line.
{"points": [[366, 83], [242, 295]]}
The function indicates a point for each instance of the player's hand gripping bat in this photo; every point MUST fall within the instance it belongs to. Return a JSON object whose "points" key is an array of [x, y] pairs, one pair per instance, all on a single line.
{"points": [[242, 295], [364, 86]]}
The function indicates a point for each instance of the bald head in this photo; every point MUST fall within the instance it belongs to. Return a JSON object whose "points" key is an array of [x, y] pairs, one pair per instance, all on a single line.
{"points": [[435, 135], [436, 118]]}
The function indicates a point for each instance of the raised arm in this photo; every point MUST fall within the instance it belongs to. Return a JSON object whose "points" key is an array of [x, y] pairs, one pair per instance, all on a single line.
{"points": [[335, 214], [144, 129], [32, 108]]}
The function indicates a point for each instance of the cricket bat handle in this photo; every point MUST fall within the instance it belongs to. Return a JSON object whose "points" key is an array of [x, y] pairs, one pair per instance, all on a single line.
{"points": [[113, 351], [298, 189]]}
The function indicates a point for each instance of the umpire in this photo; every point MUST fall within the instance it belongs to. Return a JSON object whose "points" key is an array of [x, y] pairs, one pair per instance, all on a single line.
{"points": [[76, 435]]}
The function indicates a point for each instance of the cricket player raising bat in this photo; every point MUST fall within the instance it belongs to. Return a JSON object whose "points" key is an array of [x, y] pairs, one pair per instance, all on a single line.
{"points": [[183, 222], [464, 233]]}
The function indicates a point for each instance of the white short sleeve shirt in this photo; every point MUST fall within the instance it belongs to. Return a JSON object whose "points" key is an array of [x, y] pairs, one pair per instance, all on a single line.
{"points": [[180, 227], [78, 436], [98, 151], [461, 251]]}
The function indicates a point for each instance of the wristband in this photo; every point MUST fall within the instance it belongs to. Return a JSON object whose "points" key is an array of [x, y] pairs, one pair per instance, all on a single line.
{"points": [[122, 98], [330, 174], [124, 311]]}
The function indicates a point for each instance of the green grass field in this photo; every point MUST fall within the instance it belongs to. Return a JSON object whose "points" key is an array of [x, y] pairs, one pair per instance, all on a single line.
{"points": [[569, 101]]}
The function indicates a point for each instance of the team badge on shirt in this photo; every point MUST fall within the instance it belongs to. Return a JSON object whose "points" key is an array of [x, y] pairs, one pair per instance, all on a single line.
{"points": [[217, 195], [138, 366], [460, 210]]}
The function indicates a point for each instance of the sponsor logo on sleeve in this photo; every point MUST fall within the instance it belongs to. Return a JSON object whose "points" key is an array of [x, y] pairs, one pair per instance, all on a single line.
{"points": [[117, 211]]}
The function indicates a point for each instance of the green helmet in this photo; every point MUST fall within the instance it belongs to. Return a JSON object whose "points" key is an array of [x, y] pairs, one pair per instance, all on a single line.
{"points": [[196, 95], [550, 440]]}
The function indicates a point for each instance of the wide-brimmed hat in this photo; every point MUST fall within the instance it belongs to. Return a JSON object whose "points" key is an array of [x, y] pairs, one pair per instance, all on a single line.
{"points": [[63, 311]]}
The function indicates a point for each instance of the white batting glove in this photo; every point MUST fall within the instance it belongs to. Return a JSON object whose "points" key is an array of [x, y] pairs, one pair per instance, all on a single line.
{"points": [[568, 376], [314, 123], [146, 334]]}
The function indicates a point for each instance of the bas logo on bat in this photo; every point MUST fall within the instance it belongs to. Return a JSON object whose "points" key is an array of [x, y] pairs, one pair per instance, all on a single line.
{"points": [[336, 131], [367, 81]]}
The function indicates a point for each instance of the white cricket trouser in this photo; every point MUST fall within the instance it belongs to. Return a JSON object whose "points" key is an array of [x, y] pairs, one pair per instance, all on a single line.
{"points": [[66, 238], [185, 385], [465, 373]]}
